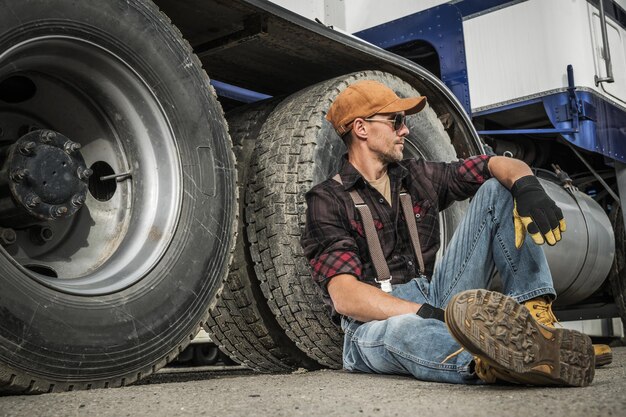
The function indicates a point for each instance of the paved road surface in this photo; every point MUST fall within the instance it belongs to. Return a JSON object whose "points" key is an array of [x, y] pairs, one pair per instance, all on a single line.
{"points": [[237, 392]]}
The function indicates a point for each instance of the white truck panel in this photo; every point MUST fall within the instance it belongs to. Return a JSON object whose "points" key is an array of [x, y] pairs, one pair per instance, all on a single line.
{"points": [[524, 49], [355, 15], [361, 14], [311, 9]]}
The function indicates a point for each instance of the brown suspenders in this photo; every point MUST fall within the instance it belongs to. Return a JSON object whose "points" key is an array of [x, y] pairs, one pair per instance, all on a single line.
{"points": [[407, 209], [373, 243]]}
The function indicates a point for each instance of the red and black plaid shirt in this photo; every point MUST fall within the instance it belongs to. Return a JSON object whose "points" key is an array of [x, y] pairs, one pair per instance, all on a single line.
{"points": [[334, 239]]}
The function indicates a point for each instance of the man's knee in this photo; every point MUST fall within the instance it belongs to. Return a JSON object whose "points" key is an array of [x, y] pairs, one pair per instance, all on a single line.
{"points": [[406, 332], [399, 326], [493, 186], [493, 194]]}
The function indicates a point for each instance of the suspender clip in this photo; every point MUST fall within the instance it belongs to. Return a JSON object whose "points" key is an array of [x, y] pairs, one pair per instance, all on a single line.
{"points": [[385, 284]]}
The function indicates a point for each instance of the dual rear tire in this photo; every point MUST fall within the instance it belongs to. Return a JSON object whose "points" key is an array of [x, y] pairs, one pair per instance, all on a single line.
{"points": [[294, 149]]}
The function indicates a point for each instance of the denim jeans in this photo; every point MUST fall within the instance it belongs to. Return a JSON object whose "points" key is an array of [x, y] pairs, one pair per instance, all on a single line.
{"points": [[409, 344]]}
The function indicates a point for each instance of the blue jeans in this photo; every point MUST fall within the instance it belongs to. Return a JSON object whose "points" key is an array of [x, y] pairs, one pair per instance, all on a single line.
{"points": [[409, 344]]}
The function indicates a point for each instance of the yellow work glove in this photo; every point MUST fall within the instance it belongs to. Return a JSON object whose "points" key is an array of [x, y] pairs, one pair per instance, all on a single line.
{"points": [[535, 212]]}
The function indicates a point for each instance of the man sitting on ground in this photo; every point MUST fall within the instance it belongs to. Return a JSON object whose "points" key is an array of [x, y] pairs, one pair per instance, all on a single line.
{"points": [[384, 285]]}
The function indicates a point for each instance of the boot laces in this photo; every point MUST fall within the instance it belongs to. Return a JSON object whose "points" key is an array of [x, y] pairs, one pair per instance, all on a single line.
{"points": [[542, 312], [484, 371], [453, 354]]}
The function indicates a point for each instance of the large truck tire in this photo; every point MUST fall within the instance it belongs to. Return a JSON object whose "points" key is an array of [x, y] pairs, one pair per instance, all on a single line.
{"points": [[241, 323], [296, 149], [112, 293]]}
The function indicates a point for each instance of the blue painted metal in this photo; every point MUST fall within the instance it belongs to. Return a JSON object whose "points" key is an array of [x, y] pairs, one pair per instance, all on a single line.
{"points": [[237, 93], [599, 127], [508, 107], [470, 7], [525, 131], [580, 117], [570, 112], [441, 27], [575, 116]]}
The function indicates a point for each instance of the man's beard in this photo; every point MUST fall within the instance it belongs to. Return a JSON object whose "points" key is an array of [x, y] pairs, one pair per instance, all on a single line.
{"points": [[389, 157]]}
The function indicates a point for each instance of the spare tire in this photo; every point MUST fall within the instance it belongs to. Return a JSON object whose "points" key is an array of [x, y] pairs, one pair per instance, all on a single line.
{"points": [[119, 289], [241, 323], [297, 148]]}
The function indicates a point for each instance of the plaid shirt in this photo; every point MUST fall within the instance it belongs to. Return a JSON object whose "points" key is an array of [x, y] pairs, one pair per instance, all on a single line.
{"points": [[334, 239]]}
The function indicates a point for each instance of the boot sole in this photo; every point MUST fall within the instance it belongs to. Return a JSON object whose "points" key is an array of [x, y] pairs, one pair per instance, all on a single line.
{"points": [[503, 333], [604, 359]]}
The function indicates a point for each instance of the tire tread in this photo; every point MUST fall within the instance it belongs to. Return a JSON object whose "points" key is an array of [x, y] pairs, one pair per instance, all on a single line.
{"points": [[23, 383], [240, 323]]}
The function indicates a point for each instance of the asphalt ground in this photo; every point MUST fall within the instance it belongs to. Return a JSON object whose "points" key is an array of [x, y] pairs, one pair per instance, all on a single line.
{"points": [[234, 391]]}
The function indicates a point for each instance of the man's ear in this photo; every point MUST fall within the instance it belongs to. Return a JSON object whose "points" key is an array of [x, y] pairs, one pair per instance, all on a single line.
{"points": [[359, 128]]}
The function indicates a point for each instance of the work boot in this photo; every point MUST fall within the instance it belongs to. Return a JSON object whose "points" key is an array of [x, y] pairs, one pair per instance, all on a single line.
{"points": [[510, 345], [491, 374], [541, 310], [604, 355]]}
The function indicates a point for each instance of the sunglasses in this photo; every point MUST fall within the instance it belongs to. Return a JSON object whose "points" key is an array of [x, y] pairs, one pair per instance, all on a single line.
{"points": [[398, 121]]}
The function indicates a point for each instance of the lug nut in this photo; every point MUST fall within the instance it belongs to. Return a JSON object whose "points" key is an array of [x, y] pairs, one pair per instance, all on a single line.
{"points": [[32, 201], [78, 200], [7, 236], [19, 174], [27, 148], [39, 235], [46, 233], [58, 211], [71, 147], [48, 136], [84, 173]]}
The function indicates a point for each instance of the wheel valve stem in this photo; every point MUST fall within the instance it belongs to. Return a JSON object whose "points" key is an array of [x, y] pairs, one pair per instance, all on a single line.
{"points": [[123, 175]]}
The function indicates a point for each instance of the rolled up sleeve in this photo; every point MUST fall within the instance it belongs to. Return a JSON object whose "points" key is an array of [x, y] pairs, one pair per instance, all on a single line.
{"points": [[474, 169]]}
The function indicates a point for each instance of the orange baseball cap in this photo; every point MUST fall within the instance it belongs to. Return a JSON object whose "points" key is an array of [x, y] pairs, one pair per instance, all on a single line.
{"points": [[366, 98]]}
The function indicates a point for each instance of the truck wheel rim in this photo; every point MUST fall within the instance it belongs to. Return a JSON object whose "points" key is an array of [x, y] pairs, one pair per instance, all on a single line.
{"points": [[93, 96]]}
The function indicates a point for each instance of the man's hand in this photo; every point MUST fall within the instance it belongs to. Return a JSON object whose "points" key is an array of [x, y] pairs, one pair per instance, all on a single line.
{"points": [[427, 311], [536, 212]]}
